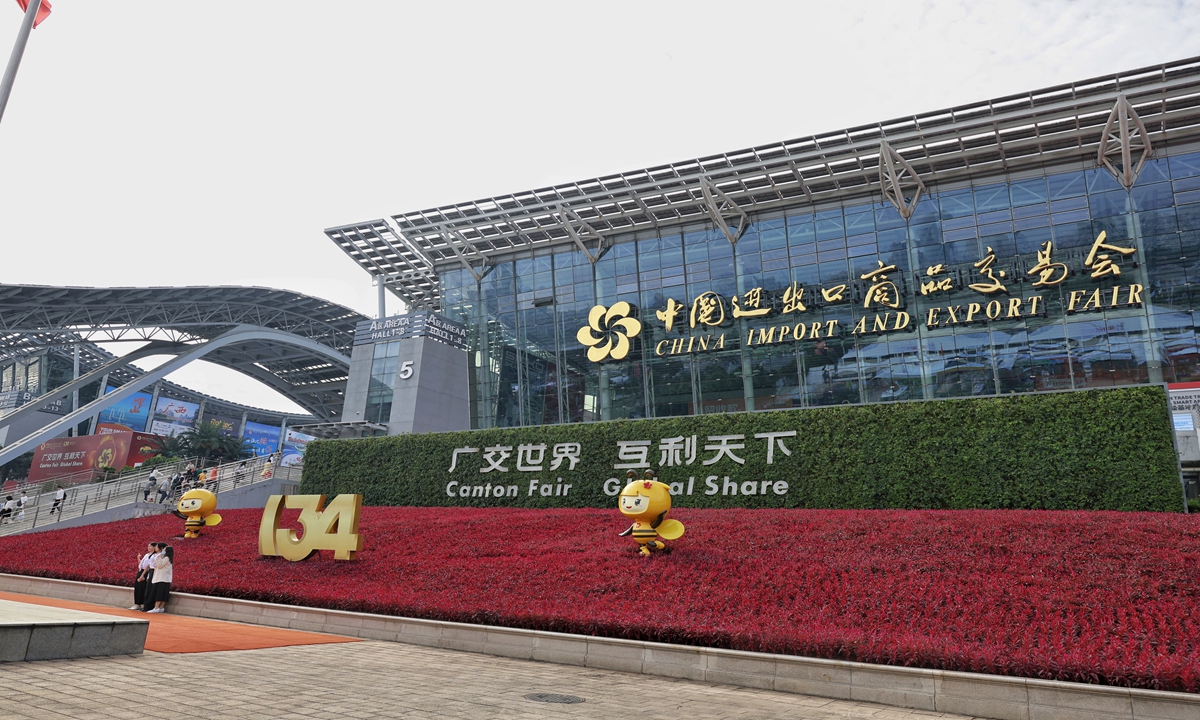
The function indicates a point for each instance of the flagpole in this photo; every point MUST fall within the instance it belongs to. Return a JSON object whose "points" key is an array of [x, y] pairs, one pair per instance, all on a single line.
{"points": [[14, 61]]}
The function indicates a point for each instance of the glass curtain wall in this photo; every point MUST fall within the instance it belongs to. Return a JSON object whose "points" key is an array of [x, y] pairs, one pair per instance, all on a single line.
{"points": [[529, 368]]}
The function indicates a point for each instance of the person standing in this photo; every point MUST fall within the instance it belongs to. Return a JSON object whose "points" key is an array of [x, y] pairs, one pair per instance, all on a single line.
{"points": [[151, 484], [148, 596], [142, 579], [164, 568], [59, 495], [164, 489], [24, 499]]}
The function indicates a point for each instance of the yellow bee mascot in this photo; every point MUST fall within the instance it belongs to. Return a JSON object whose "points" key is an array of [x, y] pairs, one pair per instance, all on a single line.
{"points": [[196, 507], [647, 503]]}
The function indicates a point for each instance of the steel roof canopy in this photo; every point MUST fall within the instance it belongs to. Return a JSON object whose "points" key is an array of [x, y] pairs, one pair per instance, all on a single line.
{"points": [[1054, 125], [34, 317]]}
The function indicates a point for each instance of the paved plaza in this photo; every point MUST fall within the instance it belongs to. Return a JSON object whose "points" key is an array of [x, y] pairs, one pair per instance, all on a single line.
{"points": [[381, 680]]}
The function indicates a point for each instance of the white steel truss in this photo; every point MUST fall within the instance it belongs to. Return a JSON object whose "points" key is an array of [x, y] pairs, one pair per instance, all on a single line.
{"points": [[902, 187], [1126, 146], [581, 233], [34, 317], [722, 210], [1053, 126]]}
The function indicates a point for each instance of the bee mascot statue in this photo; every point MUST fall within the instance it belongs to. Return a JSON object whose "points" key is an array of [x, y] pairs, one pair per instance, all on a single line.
{"points": [[647, 503], [196, 507]]}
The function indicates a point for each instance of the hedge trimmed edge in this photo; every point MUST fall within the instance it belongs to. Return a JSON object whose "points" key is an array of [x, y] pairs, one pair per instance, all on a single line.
{"points": [[1110, 449]]}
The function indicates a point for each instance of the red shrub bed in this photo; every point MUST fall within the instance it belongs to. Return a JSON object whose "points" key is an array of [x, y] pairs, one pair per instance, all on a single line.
{"points": [[1110, 598]]}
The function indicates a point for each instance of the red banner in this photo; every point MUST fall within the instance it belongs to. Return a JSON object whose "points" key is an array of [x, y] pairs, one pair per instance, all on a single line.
{"points": [[64, 456]]}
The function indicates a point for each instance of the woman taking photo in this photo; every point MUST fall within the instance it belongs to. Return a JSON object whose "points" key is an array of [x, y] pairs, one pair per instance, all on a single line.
{"points": [[163, 570]]}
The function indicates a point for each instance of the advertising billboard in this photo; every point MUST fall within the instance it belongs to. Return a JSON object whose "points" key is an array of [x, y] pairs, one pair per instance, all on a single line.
{"points": [[294, 444], [173, 417], [131, 413], [263, 438], [227, 426], [142, 447], [64, 456]]}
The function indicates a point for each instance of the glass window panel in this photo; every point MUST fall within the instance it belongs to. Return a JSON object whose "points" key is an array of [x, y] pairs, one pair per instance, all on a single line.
{"points": [[861, 222], [829, 225], [892, 240], [927, 234], [801, 230], [1030, 241], [888, 218], [1184, 165], [719, 379], [1154, 171], [956, 204], [1152, 197], [1109, 203], [1067, 185], [1101, 180], [963, 251], [1028, 192], [990, 198], [925, 211], [1070, 235]]}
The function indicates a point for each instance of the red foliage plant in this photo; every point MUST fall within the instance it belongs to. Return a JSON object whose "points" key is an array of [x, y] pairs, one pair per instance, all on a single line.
{"points": [[1098, 597]]}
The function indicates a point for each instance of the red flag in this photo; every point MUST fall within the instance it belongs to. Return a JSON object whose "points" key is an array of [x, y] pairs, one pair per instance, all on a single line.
{"points": [[42, 13]]}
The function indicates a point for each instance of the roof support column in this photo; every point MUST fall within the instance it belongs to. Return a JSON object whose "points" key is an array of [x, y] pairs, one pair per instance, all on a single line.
{"points": [[1125, 145]]}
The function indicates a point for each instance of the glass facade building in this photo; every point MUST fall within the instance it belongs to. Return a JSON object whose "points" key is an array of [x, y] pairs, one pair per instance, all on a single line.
{"points": [[1044, 241], [529, 368]]}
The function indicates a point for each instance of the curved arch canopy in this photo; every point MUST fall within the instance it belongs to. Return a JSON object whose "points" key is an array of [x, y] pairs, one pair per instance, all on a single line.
{"points": [[34, 317]]}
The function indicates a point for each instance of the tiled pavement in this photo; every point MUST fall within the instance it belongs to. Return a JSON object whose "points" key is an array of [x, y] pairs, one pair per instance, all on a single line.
{"points": [[381, 680]]}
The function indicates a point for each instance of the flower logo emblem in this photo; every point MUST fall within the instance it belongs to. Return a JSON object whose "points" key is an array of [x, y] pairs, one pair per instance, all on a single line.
{"points": [[608, 332]]}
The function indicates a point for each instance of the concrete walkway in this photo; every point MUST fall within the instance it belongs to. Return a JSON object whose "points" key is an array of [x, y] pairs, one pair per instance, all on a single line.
{"points": [[382, 680]]}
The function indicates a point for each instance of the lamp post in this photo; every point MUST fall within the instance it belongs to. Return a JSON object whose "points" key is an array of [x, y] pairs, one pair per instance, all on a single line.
{"points": [[14, 61]]}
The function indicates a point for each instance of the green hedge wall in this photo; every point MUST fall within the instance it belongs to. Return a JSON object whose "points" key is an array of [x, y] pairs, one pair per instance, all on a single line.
{"points": [[1095, 449]]}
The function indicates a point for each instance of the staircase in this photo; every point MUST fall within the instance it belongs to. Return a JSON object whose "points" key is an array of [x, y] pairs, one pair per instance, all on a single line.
{"points": [[127, 490]]}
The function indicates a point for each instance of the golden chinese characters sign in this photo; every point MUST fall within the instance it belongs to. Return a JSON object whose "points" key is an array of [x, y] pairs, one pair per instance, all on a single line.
{"points": [[716, 322], [333, 527]]}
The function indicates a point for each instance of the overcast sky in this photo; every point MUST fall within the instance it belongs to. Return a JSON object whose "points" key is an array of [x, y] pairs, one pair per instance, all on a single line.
{"points": [[188, 143]]}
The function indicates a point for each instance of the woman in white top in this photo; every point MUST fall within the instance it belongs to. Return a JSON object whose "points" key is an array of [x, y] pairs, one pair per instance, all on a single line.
{"points": [[142, 581], [164, 566]]}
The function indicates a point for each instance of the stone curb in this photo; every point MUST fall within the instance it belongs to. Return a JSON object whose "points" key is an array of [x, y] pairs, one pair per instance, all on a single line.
{"points": [[989, 696]]}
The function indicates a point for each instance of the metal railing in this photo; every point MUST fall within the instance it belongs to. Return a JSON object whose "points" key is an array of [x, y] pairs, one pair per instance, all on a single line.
{"points": [[130, 488]]}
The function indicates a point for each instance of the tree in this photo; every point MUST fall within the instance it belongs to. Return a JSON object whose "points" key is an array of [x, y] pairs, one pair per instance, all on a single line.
{"points": [[203, 440], [207, 441], [235, 448], [169, 446]]}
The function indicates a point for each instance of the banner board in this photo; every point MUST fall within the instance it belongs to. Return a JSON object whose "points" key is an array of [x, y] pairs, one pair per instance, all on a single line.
{"points": [[418, 324], [14, 399], [64, 456], [263, 438], [173, 417], [132, 413], [294, 445], [227, 426]]}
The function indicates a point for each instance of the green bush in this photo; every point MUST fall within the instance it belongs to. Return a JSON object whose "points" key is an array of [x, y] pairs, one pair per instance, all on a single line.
{"points": [[1097, 449], [1193, 505]]}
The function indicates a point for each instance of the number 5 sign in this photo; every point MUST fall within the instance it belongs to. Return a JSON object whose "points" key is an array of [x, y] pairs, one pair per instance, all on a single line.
{"points": [[325, 528]]}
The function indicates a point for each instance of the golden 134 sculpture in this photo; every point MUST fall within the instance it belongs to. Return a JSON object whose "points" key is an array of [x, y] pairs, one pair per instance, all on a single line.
{"points": [[333, 527]]}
